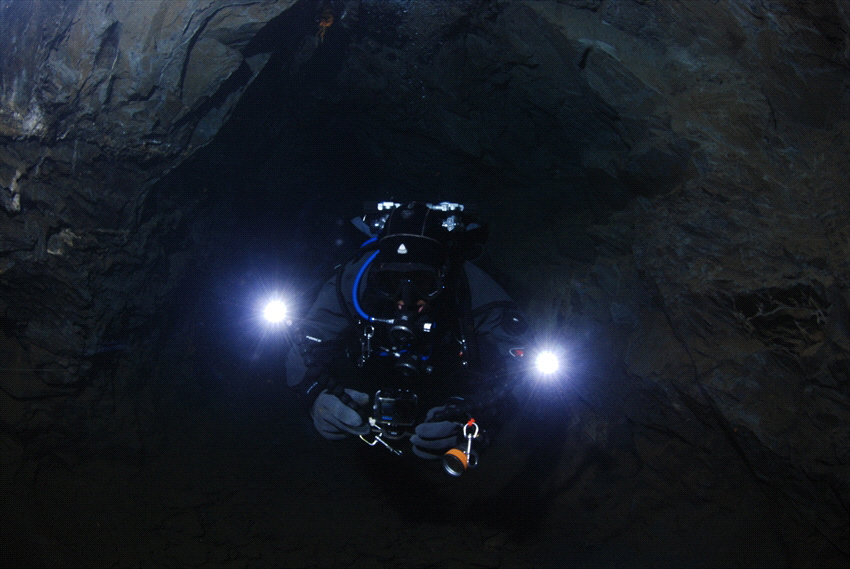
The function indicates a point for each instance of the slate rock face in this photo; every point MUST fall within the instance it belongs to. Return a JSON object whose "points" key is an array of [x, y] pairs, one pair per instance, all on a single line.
{"points": [[667, 184], [731, 291], [718, 293], [99, 100]]}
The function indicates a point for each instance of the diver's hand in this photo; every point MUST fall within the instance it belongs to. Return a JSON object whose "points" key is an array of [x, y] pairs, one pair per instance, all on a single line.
{"points": [[433, 438], [335, 420]]}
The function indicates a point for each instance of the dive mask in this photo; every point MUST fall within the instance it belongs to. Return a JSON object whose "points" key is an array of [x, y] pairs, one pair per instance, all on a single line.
{"points": [[408, 282]]}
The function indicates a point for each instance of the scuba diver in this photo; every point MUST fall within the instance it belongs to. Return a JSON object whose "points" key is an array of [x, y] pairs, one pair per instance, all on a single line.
{"points": [[411, 345]]}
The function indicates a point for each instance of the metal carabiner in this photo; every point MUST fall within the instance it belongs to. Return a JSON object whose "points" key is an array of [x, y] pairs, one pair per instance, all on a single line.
{"points": [[469, 436], [377, 440], [457, 460]]}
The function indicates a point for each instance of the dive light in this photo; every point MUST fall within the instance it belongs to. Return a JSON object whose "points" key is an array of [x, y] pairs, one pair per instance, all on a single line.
{"points": [[275, 311], [547, 362]]}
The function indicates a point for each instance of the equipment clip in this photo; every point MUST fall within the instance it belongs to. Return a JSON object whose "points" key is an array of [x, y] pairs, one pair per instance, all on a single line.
{"points": [[366, 344], [457, 460], [377, 440]]}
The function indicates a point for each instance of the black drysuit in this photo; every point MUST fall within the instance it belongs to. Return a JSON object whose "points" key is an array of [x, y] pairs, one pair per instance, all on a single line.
{"points": [[475, 351]]}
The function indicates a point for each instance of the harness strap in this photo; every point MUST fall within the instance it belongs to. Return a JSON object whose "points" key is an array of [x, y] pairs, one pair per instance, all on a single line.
{"points": [[469, 339]]}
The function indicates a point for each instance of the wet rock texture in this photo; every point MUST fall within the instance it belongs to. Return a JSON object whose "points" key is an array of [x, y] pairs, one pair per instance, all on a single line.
{"points": [[667, 184], [99, 100]]}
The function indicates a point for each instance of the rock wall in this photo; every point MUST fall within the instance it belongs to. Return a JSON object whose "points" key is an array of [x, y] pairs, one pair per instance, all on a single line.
{"points": [[98, 100], [669, 187], [731, 290], [667, 183]]}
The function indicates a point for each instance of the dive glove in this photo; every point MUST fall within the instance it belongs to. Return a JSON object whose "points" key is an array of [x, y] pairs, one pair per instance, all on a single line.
{"points": [[335, 420], [433, 438]]}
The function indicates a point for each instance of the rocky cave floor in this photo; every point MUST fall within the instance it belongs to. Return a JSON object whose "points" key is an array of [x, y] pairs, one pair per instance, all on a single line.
{"points": [[240, 484]]}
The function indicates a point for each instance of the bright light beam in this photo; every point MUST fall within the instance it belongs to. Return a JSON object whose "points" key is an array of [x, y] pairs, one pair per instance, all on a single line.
{"points": [[547, 362], [275, 311]]}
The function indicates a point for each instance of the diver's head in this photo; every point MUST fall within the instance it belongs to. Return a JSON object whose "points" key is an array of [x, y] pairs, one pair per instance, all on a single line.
{"points": [[410, 272], [420, 251], [414, 257], [408, 291], [408, 285]]}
